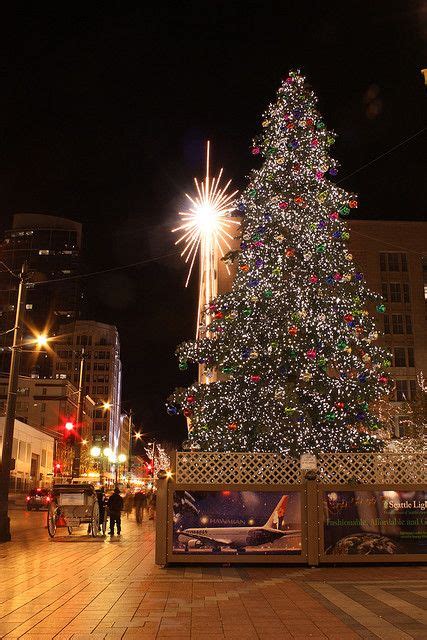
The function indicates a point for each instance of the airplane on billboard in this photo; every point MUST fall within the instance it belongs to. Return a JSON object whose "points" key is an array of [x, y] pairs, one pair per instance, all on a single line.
{"points": [[239, 537]]}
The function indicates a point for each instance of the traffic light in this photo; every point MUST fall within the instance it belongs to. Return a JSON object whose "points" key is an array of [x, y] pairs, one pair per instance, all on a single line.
{"points": [[69, 426]]}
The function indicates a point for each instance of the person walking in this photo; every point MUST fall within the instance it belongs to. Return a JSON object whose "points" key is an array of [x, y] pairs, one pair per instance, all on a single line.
{"points": [[128, 500], [139, 502], [115, 507]]}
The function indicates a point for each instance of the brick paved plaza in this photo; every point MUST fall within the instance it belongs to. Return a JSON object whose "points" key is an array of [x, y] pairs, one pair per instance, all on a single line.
{"points": [[80, 588]]}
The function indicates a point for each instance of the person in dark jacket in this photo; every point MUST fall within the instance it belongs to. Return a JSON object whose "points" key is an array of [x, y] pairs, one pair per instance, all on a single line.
{"points": [[115, 507]]}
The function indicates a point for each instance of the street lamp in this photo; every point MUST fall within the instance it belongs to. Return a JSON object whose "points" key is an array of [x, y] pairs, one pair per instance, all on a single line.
{"points": [[9, 422]]}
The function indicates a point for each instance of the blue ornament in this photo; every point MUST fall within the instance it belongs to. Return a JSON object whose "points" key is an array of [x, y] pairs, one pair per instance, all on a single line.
{"points": [[360, 416], [333, 171], [245, 353], [351, 324], [362, 377], [262, 229], [358, 277], [298, 113], [267, 217], [336, 234], [241, 206], [322, 224], [172, 410], [329, 280], [253, 282], [283, 371], [294, 144], [243, 245], [258, 262]]}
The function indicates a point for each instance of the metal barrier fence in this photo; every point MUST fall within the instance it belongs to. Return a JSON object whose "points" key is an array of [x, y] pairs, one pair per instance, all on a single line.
{"points": [[242, 507]]}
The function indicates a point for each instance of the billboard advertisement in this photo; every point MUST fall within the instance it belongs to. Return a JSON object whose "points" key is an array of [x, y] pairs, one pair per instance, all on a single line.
{"points": [[367, 522], [233, 522]]}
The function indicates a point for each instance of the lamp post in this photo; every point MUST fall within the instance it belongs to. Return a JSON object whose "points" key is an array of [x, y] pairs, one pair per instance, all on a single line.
{"points": [[9, 421], [75, 472]]}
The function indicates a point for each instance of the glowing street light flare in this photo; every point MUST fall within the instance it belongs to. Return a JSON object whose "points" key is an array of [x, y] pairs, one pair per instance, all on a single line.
{"points": [[206, 230], [137, 435], [69, 426]]}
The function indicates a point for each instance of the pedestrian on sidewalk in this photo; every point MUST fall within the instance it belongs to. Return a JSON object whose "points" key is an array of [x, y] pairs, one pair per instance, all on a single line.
{"points": [[115, 507], [139, 502], [128, 500]]}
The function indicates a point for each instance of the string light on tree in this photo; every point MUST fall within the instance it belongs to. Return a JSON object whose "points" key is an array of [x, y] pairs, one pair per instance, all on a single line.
{"points": [[294, 338]]}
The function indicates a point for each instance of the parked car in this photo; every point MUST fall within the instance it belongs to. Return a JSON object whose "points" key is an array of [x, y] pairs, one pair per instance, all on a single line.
{"points": [[38, 499]]}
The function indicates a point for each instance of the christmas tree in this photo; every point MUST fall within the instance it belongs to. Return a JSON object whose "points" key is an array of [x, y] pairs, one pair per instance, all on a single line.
{"points": [[294, 341]]}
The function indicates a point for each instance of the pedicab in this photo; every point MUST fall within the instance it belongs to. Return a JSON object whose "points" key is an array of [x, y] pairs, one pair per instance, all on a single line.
{"points": [[73, 505]]}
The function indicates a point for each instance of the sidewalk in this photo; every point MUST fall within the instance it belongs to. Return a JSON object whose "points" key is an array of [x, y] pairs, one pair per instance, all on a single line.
{"points": [[95, 589]]}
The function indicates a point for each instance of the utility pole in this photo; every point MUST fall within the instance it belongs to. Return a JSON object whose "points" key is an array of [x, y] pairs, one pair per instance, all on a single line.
{"points": [[9, 422], [79, 421]]}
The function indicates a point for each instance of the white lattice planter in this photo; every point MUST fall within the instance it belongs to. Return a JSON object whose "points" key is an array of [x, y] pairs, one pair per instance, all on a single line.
{"points": [[207, 467]]}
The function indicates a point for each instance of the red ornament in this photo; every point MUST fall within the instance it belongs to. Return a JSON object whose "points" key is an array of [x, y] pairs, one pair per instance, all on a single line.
{"points": [[309, 122], [290, 125], [353, 204], [255, 378], [314, 279], [232, 426], [299, 200], [187, 413], [290, 253], [283, 205], [255, 151], [244, 267], [219, 315], [334, 215], [348, 317], [296, 167], [340, 405], [337, 277], [293, 330], [191, 399], [314, 142], [311, 353], [383, 379]]}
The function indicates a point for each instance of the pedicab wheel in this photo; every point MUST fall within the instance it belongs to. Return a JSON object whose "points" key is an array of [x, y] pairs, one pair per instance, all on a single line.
{"points": [[94, 525], [51, 520]]}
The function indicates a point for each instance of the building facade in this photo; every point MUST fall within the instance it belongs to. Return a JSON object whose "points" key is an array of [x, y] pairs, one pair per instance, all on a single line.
{"points": [[51, 247], [393, 258], [32, 451], [102, 372]]}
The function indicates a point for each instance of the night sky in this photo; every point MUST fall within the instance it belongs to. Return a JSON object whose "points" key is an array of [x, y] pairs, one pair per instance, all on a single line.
{"points": [[104, 113]]}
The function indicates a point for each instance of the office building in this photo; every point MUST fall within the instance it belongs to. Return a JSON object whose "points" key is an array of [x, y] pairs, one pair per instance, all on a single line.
{"points": [[102, 374], [393, 258], [51, 247]]}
